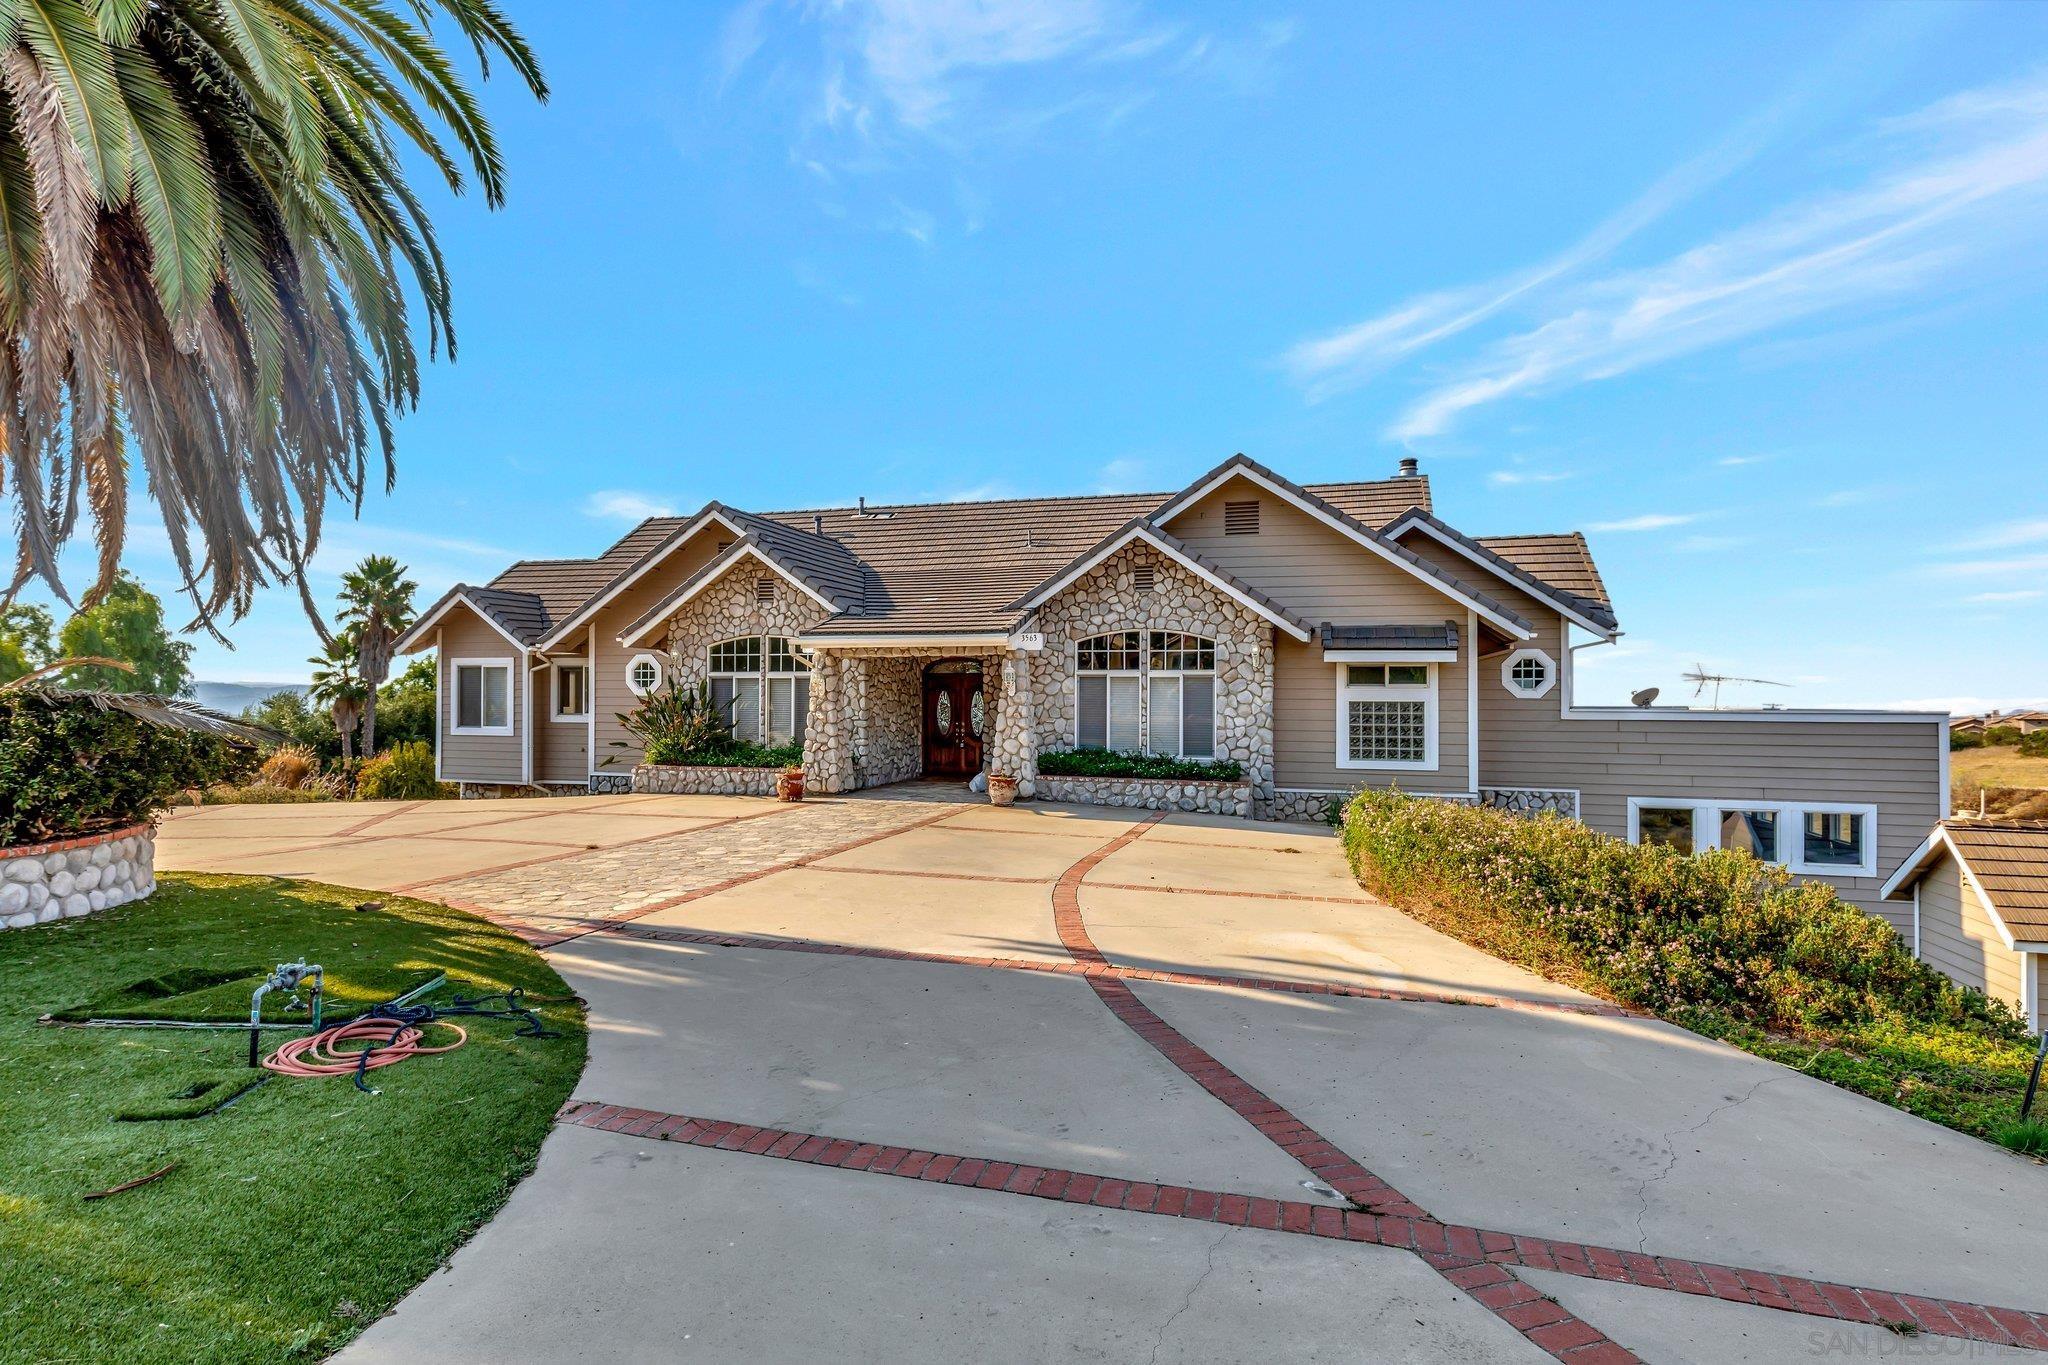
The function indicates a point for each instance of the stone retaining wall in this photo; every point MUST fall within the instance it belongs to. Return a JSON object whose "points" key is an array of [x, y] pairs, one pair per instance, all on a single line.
{"points": [[1300, 805], [71, 877], [1213, 798], [677, 779]]}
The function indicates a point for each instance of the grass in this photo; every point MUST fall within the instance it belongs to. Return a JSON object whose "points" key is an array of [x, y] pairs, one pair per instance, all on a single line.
{"points": [[2014, 784], [304, 1209]]}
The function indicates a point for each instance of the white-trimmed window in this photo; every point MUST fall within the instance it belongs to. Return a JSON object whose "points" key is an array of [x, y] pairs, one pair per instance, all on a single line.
{"points": [[762, 683], [571, 694], [1528, 672], [1386, 715], [482, 696], [1812, 838], [644, 673], [1109, 673], [1180, 717]]}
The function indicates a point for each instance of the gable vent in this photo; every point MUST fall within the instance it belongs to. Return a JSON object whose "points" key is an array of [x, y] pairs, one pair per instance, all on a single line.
{"points": [[1141, 578], [1240, 518], [764, 589], [724, 545]]}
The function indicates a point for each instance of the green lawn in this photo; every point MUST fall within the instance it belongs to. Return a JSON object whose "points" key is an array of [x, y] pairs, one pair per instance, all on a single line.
{"points": [[304, 1210]]}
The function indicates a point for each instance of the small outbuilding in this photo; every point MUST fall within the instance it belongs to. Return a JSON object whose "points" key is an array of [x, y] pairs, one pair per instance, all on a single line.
{"points": [[1980, 907]]}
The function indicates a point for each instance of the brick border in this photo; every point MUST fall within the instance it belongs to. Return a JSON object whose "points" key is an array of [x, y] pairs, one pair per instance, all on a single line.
{"points": [[1477, 1260], [80, 841]]}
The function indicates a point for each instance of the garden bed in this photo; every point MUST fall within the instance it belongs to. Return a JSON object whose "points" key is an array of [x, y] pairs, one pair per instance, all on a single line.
{"points": [[301, 1212], [1716, 942]]}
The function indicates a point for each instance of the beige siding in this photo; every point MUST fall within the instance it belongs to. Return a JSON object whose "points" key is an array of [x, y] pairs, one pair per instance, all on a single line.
{"points": [[479, 758], [1322, 575], [1957, 936], [608, 691], [2038, 964], [561, 748]]}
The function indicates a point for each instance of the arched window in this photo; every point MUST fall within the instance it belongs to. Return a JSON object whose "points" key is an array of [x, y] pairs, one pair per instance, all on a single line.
{"points": [[745, 670], [1146, 690]]}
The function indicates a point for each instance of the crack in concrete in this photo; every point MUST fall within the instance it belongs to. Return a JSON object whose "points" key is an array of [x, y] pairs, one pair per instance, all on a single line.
{"points": [[1671, 1162], [1188, 1302]]}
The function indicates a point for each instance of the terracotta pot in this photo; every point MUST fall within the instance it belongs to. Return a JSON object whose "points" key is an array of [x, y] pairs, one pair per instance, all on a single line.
{"points": [[789, 784], [1002, 791]]}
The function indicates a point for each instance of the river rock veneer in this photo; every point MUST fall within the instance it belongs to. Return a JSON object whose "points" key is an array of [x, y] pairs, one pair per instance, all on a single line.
{"points": [[72, 877]]}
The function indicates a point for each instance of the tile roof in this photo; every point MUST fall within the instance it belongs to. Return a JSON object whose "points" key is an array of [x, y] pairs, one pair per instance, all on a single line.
{"points": [[2010, 861], [957, 567], [1444, 636], [1561, 559]]}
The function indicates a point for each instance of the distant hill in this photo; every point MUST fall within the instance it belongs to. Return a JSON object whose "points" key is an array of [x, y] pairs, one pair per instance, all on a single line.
{"points": [[236, 697]]}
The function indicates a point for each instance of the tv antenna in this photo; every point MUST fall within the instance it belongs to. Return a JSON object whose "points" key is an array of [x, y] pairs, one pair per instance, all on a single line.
{"points": [[1702, 680]]}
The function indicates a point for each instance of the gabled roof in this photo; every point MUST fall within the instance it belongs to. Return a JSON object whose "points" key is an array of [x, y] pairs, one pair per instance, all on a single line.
{"points": [[1451, 585], [518, 616], [1594, 615], [750, 545], [2006, 860], [1144, 530]]}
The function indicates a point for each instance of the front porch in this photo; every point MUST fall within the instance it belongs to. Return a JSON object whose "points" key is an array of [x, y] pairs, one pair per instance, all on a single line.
{"points": [[881, 714]]}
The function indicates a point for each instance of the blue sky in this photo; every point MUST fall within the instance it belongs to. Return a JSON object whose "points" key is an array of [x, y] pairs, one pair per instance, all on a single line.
{"points": [[1752, 294]]}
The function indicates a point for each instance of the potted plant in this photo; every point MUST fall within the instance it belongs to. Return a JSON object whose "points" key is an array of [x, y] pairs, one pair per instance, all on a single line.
{"points": [[1002, 791], [789, 784]]}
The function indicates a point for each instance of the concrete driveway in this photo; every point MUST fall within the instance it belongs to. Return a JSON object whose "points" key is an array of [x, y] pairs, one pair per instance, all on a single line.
{"points": [[915, 1078]]}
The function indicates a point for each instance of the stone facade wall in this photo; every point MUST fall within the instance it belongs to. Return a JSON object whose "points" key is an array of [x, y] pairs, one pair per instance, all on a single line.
{"points": [[677, 779], [866, 723], [1531, 800], [1106, 600], [1300, 805], [1212, 798], [729, 608], [72, 877], [493, 791]]}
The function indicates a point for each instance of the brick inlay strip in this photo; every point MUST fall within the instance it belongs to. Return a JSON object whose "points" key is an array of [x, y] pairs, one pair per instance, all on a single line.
{"points": [[1473, 1258]]}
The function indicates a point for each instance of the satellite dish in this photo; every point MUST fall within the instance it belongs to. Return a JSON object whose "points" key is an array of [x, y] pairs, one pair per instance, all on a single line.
{"points": [[1644, 697]]}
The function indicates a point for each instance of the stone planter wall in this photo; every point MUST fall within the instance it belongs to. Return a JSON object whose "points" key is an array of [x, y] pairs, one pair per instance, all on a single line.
{"points": [[1212, 798], [71, 877], [677, 779]]}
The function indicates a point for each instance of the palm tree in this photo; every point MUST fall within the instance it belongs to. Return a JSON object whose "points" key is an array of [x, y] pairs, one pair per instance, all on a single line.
{"points": [[206, 242], [376, 607], [336, 687]]}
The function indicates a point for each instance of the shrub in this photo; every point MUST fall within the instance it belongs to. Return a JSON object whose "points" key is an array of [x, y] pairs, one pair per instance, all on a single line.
{"points": [[682, 725], [70, 767], [289, 766], [1107, 763], [404, 772], [1959, 740], [2035, 745], [256, 794], [1999, 735]]}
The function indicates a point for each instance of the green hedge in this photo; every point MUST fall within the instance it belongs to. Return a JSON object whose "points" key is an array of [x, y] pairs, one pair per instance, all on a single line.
{"points": [[1716, 941], [731, 753], [1109, 763], [70, 768]]}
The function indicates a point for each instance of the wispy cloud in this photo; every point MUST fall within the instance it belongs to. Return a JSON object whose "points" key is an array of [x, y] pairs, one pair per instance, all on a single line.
{"points": [[2028, 532], [1510, 478], [1648, 521], [1123, 475], [623, 504], [1739, 461], [1959, 188], [2016, 595], [1856, 497]]}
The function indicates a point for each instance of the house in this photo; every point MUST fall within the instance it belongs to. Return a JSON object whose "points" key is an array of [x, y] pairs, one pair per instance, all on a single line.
{"points": [[1322, 637], [1979, 892]]}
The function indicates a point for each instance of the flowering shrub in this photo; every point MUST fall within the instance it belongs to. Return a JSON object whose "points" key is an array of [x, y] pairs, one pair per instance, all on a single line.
{"points": [[1716, 931]]}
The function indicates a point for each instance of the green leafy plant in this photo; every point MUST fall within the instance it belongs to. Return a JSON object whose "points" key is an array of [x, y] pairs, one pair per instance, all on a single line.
{"points": [[404, 772], [1109, 763], [2035, 745], [76, 763], [683, 725], [1716, 941], [2028, 1139]]}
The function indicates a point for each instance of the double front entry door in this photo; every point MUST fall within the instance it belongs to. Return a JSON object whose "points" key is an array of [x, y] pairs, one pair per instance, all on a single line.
{"points": [[954, 716]]}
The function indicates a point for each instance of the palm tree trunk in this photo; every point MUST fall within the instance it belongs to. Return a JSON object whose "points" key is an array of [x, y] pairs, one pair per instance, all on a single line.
{"points": [[370, 722]]}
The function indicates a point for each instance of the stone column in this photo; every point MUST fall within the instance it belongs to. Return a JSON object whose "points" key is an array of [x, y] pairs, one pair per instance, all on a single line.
{"points": [[828, 725], [1015, 734]]}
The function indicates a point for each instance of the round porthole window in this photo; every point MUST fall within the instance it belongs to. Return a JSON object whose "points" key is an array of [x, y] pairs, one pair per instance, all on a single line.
{"points": [[643, 674], [1528, 673]]}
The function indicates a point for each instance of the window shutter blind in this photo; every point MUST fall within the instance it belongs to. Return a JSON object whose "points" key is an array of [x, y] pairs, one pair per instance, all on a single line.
{"points": [[1165, 716], [1123, 714], [803, 708], [469, 697], [746, 714], [1198, 717], [781, 709], [497, 704], [1091, 731], [721, 698]]}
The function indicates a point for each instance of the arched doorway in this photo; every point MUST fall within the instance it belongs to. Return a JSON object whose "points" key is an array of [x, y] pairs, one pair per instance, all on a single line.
{"points": [[955, 715]]}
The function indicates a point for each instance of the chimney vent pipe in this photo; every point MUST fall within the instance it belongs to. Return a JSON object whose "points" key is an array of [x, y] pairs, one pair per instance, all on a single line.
{"points": [[1410, 467]]}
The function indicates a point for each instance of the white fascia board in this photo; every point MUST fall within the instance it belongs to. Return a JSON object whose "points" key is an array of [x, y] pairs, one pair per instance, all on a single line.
{"points": [[679, 538], [714, 571], [1915, 864], [1195, 495], [1990, 907], [981, 639], [404, 645], [1390, 656], [1406, 524], [1784, 715], [1067, 579]]}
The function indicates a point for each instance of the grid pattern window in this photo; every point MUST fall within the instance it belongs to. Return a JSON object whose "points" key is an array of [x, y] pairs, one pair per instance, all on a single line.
{"points": [[643, 674], [1529, 673], [572, 691], [1386, 716], [1812, 838], [1181, 694], [483, 697], [1107, 690], [762, 685], [1116, 652]]}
